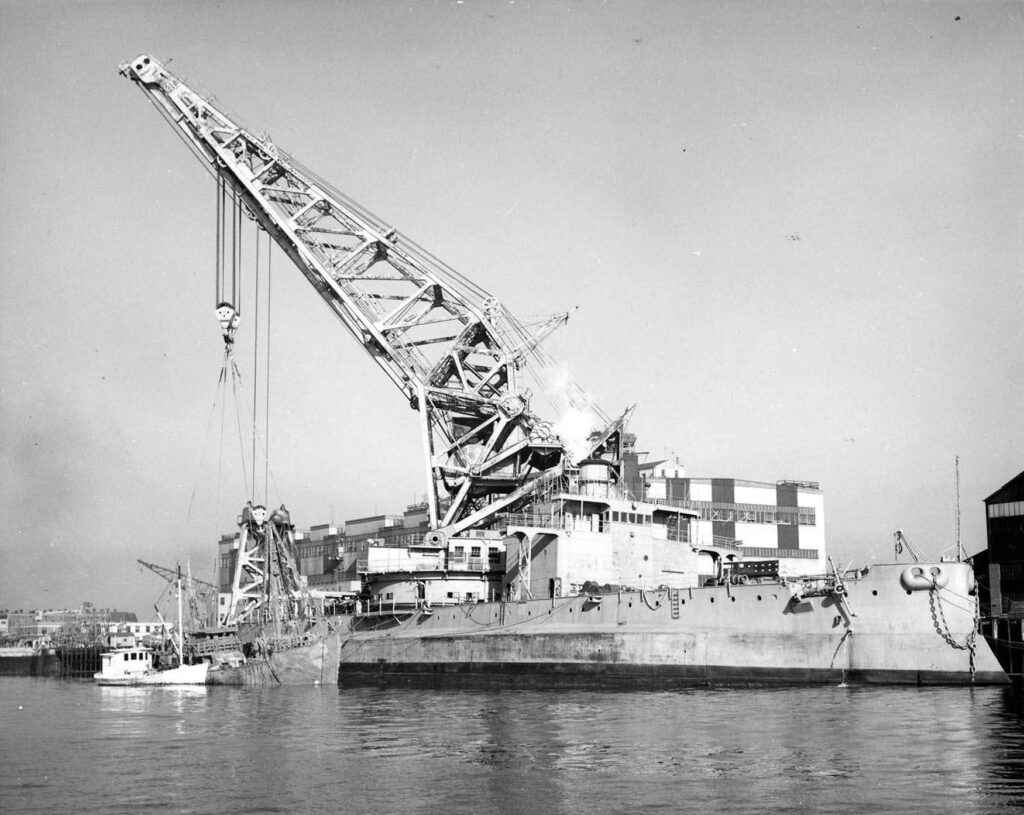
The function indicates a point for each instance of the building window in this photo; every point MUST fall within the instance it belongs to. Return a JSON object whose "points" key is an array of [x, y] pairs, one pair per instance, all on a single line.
{"points": [[1007, 509], [474, 551]]}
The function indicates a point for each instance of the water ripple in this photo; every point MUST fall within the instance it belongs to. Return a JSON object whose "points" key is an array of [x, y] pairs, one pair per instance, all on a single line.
{"points": [[790, 750]]}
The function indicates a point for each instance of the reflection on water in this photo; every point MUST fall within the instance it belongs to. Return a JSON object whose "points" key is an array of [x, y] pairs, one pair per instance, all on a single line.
{"points": [[934, 750]]}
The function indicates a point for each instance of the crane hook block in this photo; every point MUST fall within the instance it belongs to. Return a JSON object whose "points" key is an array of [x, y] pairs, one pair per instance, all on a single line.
{"points": [[229, 320], [253, 515]]}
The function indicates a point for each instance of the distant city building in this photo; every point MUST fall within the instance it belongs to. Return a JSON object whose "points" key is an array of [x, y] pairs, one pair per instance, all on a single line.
{"points": [[23, 623], [148, 628], [48, 622]]}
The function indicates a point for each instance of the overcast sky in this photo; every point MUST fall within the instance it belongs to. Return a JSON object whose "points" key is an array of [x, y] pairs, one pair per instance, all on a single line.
{"points": [[794, 232]]}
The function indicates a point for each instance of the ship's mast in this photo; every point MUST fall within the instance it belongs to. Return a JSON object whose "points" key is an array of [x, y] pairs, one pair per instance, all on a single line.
{"points": [[456, 354], [960, 555], [181, 636]]}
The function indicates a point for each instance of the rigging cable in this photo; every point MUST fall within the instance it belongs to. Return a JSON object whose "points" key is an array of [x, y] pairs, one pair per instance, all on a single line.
{"points": [[236, 253], [217, 298], [236, 386], [266, 409], [206, 438], [255, 362]]}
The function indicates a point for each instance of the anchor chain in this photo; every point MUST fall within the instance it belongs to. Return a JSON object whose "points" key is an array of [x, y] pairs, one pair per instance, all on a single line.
{"points": [[942, 629]]}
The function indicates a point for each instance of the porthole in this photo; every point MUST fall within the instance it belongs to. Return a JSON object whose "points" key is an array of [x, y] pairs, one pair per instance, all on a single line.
{"points": [[733, 599], [712, 599], [759, 597], [874, 592]]}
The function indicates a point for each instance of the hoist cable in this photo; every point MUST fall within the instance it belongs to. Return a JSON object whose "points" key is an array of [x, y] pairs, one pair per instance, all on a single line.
{"points": [[255, 362], [222, 251], [220, 459], [238, 267], [234, 252], [216, 254], [266, 409]]}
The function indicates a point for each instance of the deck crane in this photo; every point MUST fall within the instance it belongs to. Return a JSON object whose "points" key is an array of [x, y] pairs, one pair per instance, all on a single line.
{"points": [[901, 542], [458, 356]]}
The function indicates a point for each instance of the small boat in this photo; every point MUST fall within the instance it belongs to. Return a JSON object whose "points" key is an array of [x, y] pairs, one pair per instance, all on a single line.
{"points": [[134, 666]]}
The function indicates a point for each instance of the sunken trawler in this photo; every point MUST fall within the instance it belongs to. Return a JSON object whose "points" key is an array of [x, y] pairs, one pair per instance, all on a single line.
{"points": [[597, 571], [271, 630]]}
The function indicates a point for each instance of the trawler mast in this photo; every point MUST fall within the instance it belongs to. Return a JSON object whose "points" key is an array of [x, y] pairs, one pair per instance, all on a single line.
{"points": [[457, 355]]}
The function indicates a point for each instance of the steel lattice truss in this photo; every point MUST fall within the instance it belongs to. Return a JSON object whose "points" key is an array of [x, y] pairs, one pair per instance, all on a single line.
{"points": [[265, 581], [456, 354]]}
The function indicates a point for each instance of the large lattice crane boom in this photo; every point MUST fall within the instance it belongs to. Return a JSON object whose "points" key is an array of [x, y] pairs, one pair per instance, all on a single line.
{"points": [[456, 354]]}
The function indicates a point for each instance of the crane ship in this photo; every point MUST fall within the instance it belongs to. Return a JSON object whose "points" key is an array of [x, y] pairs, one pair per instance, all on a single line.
{"points": [[597, 571]]}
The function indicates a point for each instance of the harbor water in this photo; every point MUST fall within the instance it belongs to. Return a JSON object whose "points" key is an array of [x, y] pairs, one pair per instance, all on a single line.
{"points": [[68, 745]]}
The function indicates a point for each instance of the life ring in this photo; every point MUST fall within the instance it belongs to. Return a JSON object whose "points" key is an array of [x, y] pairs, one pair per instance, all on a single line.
{"points": [[922, 578]]}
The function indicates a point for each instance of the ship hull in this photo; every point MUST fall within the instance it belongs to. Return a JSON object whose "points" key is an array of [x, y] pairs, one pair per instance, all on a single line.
{"points": [[312, 661], [178, 676], [880, 632]]}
